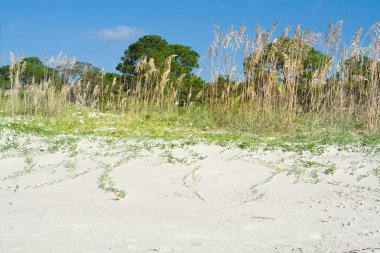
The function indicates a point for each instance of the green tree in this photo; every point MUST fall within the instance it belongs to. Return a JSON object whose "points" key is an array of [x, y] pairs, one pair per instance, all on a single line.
{"points": [[4, 77], [267, 70], [273, 57], [35, 71], [154, 46], [84, 71], [360, 67]]}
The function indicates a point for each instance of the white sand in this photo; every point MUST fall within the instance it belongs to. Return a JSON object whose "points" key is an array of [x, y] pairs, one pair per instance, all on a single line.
{"points": [[200, 198]]}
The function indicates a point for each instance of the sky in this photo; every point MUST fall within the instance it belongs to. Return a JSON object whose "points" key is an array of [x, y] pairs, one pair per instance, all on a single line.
{"points": [[98, 31]]}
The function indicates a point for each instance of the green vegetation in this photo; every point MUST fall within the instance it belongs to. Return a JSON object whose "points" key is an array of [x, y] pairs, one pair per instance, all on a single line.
{"points": [[189, 128], [151, 55], [285, 93], [29, 71], [330, 170], [106, 183]]}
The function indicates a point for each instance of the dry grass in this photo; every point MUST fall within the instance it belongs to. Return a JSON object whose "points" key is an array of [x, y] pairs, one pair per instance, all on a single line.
{"points": [[342, 82], [262, 79]]}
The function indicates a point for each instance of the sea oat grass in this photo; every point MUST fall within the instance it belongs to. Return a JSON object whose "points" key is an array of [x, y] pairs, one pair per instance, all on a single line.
{"points": [[282, 85]]}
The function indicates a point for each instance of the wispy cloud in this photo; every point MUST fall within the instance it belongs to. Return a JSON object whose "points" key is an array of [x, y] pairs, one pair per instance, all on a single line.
{"points": [[121, 32]]}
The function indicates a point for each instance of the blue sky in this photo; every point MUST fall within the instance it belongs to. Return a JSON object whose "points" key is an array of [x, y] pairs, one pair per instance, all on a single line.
{"points": [[98, 31]]}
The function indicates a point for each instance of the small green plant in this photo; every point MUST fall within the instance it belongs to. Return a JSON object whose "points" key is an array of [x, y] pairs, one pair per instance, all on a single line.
{"points": [[70, 165], [11, 142], [362, 176], [27, 152], [330, 170], [310, 164], [170, 158], [314, 176], [298, 172], [255, 194], [377, 172], [244, 144], [63, 143], [29, 164], [106, 183]]}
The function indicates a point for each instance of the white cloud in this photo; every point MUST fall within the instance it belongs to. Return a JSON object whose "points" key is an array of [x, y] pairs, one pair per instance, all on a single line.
{"points": [[122, 32]]}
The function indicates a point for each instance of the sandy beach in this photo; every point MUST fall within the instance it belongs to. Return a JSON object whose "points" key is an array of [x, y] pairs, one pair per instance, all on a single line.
{"points": [[92, 194]]}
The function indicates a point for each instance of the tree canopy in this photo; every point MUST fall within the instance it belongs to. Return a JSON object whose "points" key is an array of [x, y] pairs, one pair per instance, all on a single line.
{"points": [[273, 56], [35, 71], [154, 46], [84, 71]]}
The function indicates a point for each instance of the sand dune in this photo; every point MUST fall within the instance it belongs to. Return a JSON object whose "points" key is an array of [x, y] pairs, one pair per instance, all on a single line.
{"points": [[82, 194]]}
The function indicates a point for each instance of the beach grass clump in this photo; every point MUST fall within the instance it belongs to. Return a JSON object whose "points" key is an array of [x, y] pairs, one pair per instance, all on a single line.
{"points": [[289, 84]]}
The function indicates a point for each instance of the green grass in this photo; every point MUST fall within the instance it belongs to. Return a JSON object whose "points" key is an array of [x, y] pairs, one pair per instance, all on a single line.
{"points": [[191, 127]]}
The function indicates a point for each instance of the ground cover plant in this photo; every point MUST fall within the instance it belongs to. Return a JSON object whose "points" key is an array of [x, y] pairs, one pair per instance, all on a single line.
{"points": [[283, 86], [267, 139], [287, 94]]}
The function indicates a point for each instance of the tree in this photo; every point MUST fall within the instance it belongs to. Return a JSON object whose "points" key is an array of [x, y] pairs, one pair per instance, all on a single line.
{"points": [[84, 71], [288, 66], [155, 47], [273, 57], [35, 71], [4, 77], [360, 67]]}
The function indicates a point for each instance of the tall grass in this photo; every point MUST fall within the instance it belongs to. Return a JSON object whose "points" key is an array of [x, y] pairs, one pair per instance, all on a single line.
{"points": [[258, 80], [275, 78]]}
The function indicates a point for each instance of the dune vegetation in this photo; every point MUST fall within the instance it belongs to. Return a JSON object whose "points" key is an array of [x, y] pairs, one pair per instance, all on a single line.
{"points": [[295, 86], [270, 144]]}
